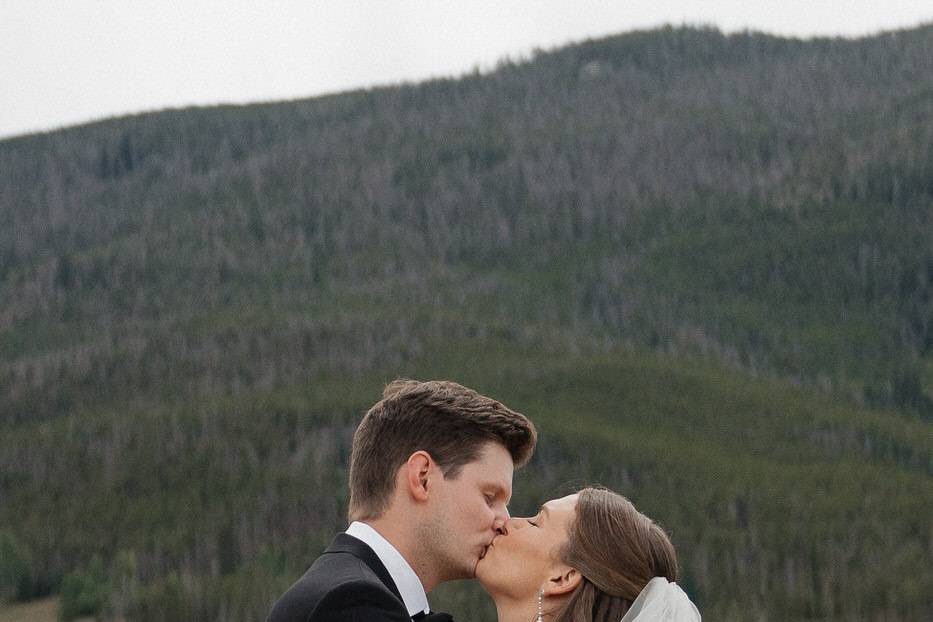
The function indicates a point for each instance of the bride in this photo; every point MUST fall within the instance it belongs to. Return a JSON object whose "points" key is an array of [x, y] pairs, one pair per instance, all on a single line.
{"points": [[590, 556]]}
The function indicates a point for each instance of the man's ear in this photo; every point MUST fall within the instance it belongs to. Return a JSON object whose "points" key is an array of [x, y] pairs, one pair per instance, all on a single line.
{"points": [[563, 581], [416, 471]]}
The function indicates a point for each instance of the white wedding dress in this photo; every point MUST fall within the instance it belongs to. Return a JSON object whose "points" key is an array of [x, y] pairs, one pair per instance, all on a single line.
{"points": [[662, 601]]}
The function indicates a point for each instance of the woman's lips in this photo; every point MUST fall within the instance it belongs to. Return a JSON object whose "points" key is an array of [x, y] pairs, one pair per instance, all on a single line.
{"points": [[486, 549]]}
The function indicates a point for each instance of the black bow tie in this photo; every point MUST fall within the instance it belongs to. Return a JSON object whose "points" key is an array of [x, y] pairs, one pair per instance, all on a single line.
{"points": [[434, 616]]}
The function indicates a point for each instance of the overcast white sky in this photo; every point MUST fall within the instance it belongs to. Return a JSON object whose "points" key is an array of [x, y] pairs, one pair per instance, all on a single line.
{"points": [[70, 61]]}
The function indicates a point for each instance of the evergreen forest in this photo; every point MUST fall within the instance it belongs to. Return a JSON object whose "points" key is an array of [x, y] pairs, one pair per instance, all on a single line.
{"points": [[701, 262]]}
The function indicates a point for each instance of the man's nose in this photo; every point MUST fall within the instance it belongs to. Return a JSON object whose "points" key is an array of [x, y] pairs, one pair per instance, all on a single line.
{"points": [[510, 524], [500, 524]]}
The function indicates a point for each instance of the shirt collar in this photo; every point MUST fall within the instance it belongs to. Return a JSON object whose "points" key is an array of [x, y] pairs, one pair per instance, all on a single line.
{"points": [[407, 582]]}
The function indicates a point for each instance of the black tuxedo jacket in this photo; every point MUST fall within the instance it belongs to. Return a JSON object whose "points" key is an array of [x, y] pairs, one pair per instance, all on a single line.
{"points": [[347, 583]]}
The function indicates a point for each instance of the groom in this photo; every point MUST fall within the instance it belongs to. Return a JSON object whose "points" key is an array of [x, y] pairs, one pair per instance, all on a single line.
{"points": [[430, 477]]}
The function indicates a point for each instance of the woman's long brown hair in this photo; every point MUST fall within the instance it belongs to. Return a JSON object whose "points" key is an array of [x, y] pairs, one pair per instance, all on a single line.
{"points": [[618, 550]]}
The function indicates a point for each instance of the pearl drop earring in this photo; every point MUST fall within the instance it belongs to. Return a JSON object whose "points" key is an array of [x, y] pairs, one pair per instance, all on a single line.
{"points": [[540, 606]]}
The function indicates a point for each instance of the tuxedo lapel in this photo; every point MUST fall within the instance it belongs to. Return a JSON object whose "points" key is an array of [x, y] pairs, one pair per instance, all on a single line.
{"points": [[348, 544]]}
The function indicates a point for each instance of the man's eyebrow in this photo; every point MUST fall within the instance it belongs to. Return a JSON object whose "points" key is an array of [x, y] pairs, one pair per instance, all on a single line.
{"points": [[499, 489]]}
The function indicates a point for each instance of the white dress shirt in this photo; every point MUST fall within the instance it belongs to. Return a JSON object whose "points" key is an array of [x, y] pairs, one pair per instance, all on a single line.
{"points": [[407, 582]]}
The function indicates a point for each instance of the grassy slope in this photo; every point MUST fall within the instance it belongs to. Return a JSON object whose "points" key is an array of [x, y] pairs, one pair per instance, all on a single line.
{"points": [[45, 610]]}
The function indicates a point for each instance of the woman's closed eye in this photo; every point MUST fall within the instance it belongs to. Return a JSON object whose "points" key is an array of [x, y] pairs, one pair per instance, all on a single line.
{"points": [[532, 521]]}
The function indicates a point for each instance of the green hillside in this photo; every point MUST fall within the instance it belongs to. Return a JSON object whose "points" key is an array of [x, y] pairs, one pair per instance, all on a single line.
{"points": [[703, 264]]}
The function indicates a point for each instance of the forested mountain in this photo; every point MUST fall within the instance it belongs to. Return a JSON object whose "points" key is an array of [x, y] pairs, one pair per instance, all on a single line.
{"points": [[702, 263]]}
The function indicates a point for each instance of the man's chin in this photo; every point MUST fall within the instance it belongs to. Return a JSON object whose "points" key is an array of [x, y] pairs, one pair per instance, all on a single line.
{"points": [[476, 569], [479, 560]]}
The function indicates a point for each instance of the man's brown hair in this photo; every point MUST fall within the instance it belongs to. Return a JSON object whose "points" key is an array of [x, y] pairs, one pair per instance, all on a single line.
{"points": [[443, 418]]}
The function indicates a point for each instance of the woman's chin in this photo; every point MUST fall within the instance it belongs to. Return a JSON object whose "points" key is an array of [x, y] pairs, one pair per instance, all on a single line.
{"points": [[485, 581], [482, 572]]}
